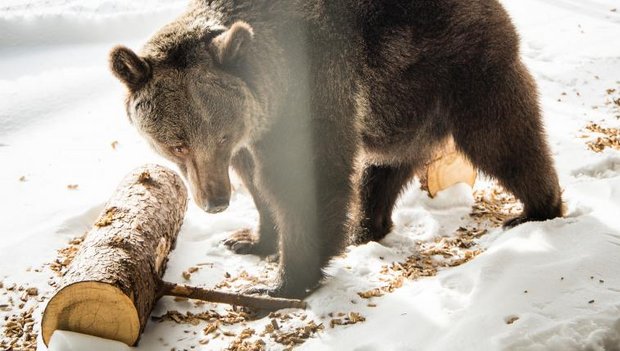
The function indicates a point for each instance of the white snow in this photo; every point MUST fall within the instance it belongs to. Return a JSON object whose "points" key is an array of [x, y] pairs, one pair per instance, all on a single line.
{"points": [[63, 340], [541, 286]]}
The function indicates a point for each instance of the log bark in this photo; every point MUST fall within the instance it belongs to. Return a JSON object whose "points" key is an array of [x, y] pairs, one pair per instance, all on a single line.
{"points": [[112, 283]]}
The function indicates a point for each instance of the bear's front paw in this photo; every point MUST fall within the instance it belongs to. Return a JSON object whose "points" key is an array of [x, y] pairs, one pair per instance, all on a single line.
{"points": [[244, 242]]}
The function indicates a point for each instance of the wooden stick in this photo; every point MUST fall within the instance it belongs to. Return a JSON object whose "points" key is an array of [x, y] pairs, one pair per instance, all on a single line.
{"points": [[258, 302]]}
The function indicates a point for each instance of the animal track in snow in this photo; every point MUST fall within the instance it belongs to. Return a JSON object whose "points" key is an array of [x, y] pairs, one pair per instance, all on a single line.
{"points": [[608, 167]]}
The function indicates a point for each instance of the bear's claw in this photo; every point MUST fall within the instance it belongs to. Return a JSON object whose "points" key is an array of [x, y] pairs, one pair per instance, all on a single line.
{"points": [[244, 242], [513, 222]]}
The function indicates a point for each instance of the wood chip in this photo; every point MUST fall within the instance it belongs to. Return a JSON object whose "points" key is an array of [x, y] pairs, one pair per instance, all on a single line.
{"points": [[65, 256], [210, 328], [511, 319], [145, 178], [370, 293], [603, 138], [18, 332], [109, 216], [297, 335]]}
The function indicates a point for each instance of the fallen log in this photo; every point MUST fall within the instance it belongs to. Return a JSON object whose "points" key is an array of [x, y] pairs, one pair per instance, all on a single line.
{"points": [[114, 280]]}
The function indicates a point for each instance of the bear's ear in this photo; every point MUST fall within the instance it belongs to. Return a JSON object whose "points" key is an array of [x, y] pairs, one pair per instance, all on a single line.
{"points": [[129, 68], [232, 44]]}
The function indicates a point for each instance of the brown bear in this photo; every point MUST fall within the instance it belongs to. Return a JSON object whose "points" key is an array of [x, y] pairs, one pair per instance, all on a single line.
{"points": [[327, 109]]}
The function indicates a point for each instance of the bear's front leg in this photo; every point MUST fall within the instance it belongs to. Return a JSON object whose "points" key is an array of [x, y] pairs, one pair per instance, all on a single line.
{"points": [[265, 242], [309, 187]]}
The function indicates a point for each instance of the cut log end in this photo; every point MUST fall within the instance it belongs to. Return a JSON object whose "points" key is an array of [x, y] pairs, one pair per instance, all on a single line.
{"points": [[448, 168], [93, 308]]}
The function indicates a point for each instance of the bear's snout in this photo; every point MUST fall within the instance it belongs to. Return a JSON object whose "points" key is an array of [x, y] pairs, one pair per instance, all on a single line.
{"points": [[210, 184], [218, 205], [212, 202]]}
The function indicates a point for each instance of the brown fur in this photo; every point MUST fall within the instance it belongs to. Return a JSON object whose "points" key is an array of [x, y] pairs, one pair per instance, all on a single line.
{"points": [[329, 108]]}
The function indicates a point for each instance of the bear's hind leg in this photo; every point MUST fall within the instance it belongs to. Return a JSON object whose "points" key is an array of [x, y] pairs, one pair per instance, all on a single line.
{"points": [[501, 132], [379, 188]]}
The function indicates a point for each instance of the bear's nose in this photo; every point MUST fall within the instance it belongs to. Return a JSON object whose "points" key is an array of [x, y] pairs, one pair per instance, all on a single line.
{"points": [[217, 205]]}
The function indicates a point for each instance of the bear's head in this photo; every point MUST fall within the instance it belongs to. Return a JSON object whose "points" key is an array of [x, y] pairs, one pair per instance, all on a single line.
{"points": [[185, 98]]}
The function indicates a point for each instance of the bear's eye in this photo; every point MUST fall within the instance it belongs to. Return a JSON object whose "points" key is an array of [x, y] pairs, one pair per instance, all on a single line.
{"points": [[223, 139], [180, 150]]}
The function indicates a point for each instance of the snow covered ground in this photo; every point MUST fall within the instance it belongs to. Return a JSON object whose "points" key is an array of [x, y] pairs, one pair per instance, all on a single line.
{"points": [[65, 143]]}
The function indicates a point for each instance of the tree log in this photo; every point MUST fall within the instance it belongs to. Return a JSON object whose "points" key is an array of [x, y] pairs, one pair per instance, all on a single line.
{"points": [[112, 284], [115, 278]]}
